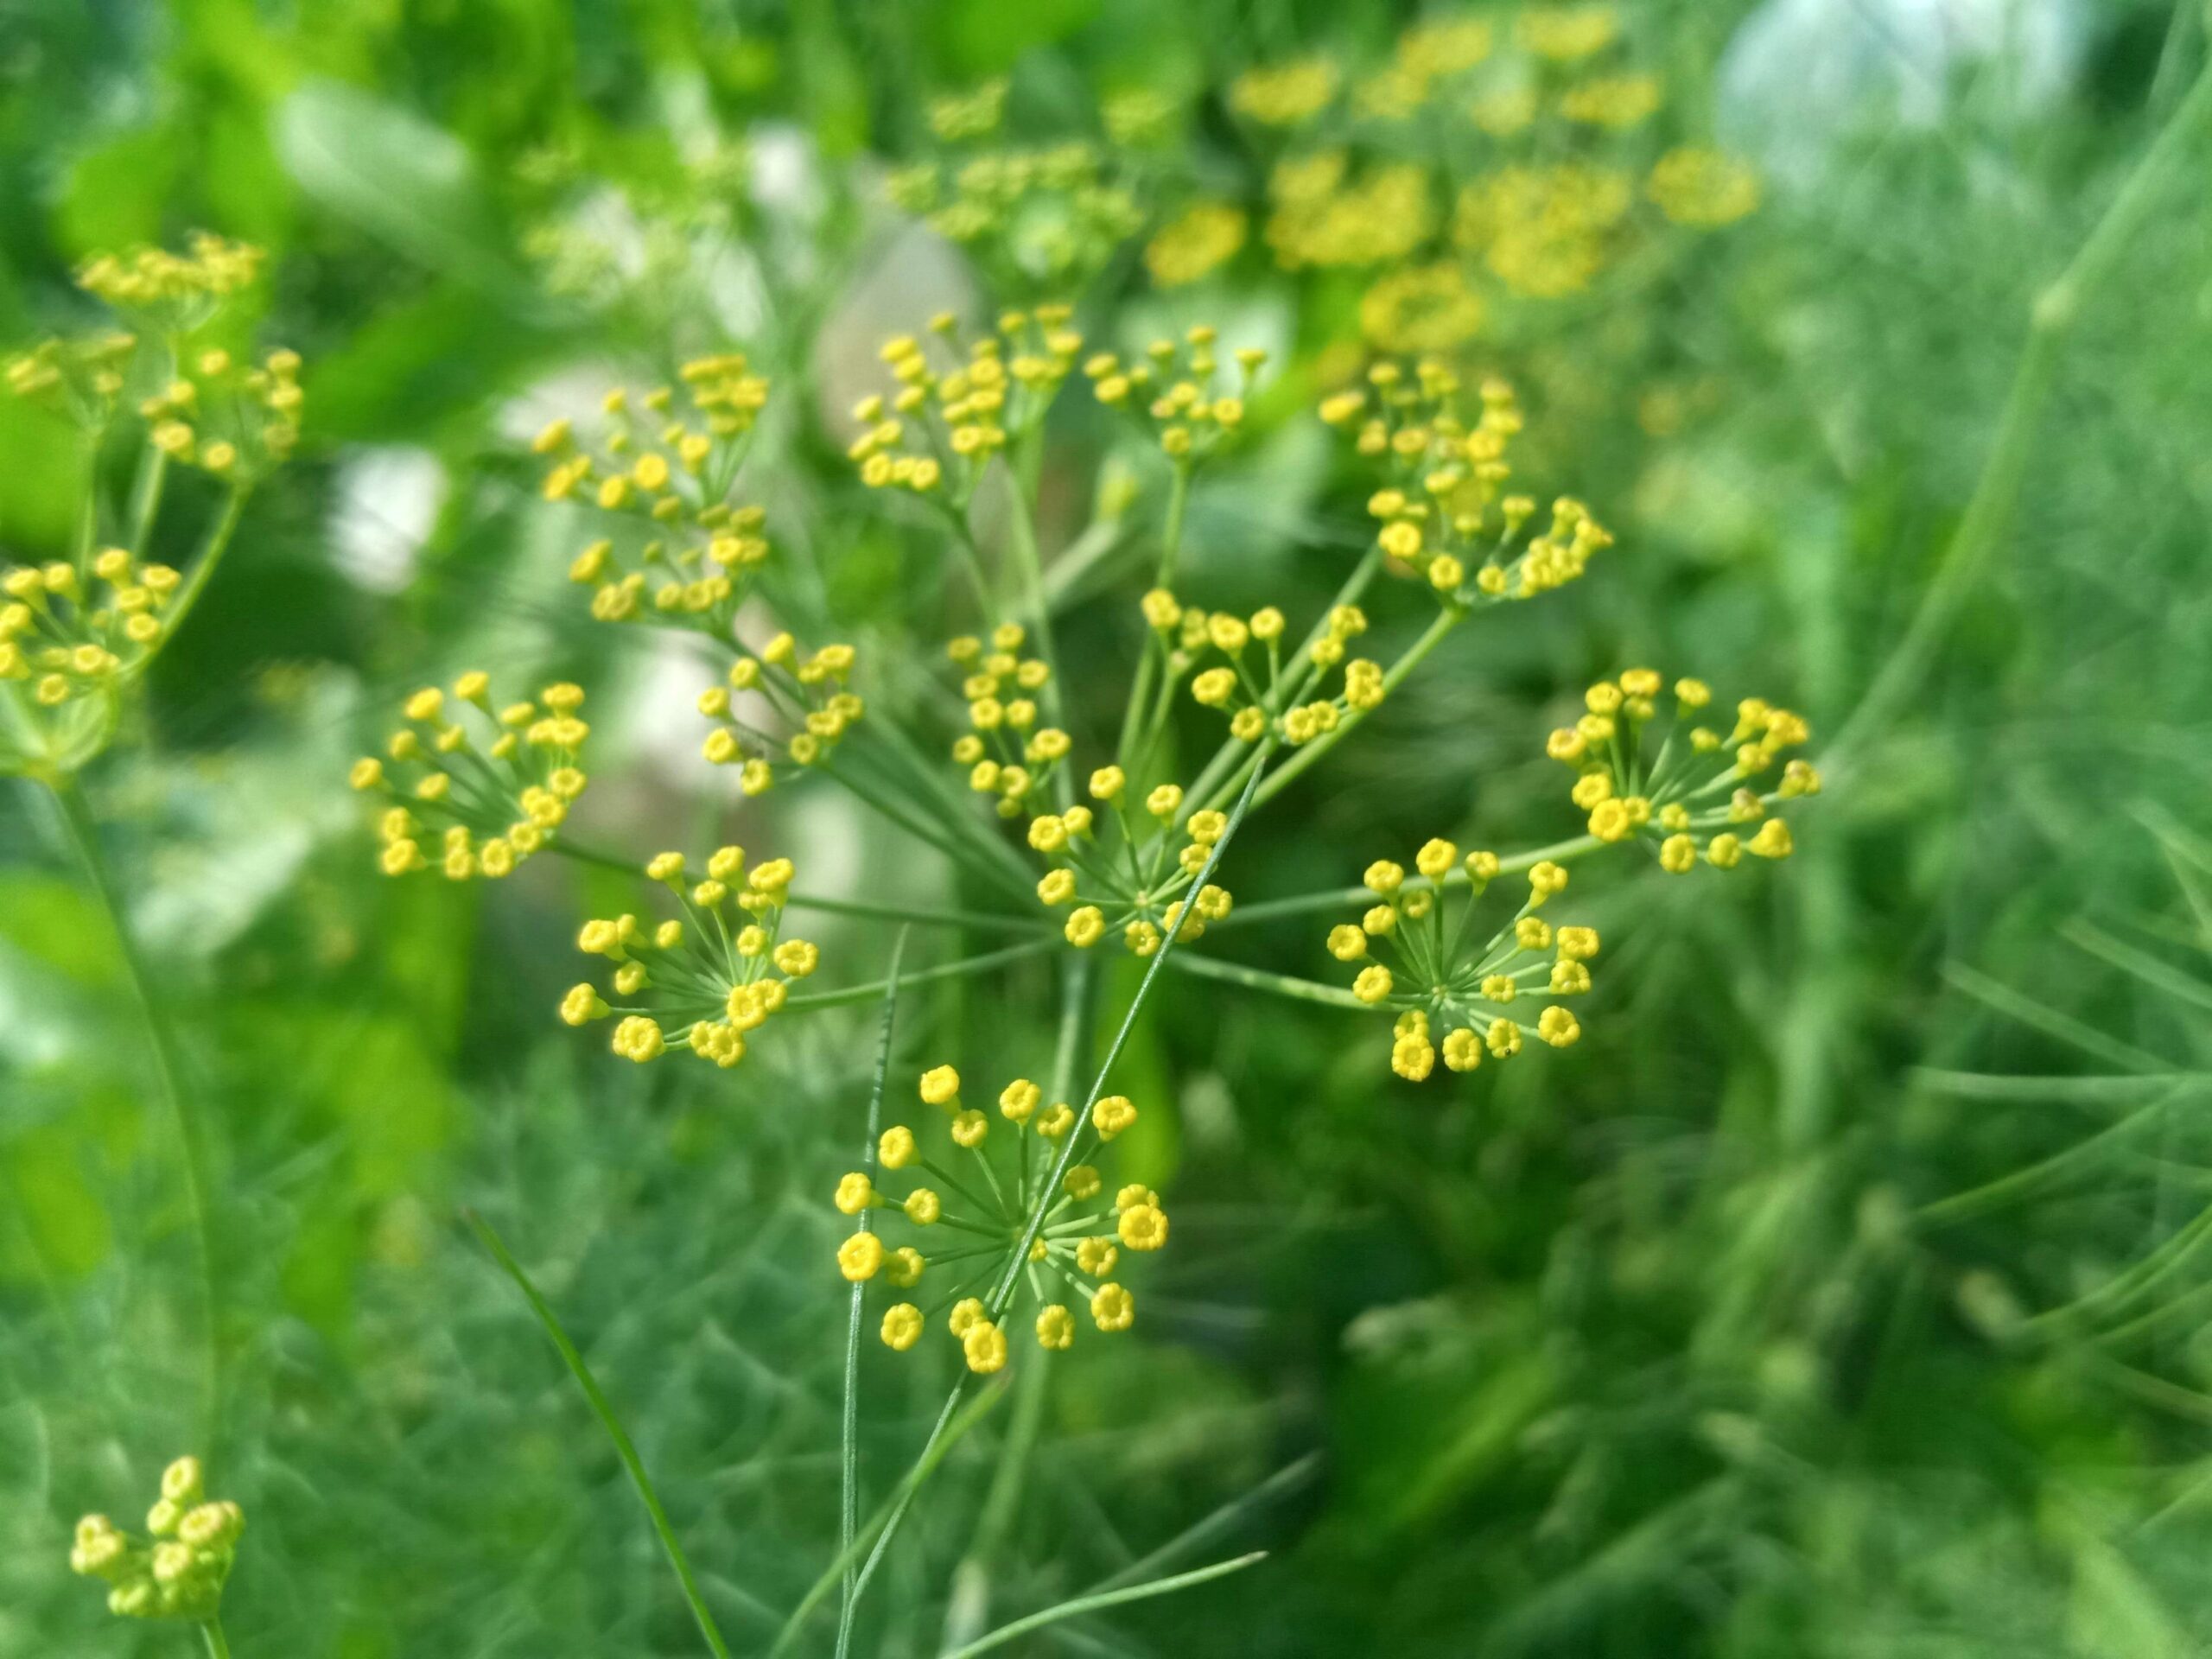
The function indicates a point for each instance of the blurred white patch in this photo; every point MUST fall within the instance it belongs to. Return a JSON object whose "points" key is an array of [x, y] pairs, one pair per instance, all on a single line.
{"points": [[786, 174], [1802, 75], [576, 394], [662, 725], [388, 499]]}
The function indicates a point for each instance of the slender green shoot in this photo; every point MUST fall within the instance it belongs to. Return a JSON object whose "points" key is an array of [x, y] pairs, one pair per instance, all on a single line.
{"points": [[605, 1413], [1099, 1602]]}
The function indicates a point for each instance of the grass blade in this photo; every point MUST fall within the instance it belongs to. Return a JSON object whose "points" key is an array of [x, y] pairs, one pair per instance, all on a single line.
{"points": [[1093, 1603], [616, 1433], [849, 1455]]}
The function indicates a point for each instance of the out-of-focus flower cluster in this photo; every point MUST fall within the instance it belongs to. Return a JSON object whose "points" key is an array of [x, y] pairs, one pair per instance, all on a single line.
{"points": [[179, 1570]]}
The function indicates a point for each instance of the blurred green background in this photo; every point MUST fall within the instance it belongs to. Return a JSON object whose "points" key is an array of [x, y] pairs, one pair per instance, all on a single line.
{"points": [[1836, 1295]]}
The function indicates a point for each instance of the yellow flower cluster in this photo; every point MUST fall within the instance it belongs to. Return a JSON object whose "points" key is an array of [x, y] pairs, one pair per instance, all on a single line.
{"points": [[219, 414], [1544, 229], [1173, 393], [972, 114], [1422, 309], [706, 980], [69, 641], [81, 379], [1616, 102], [180, 1570], [1074, 1254], [1256, 687], [1568, 34], [1703, 187], [1419, 963], [1326, 212], [1284, 94], [1445, 513], [1195, 243], [808, 694], [1007, 752], [176, 291], [1697, 798], [1427, 55], [493, 806], [938, 433], [681, 553], [1135, 879], [1048, 219]]}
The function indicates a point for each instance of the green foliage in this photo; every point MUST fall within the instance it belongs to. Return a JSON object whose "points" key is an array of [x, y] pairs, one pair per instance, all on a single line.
{"points": [[1838, 1294]]}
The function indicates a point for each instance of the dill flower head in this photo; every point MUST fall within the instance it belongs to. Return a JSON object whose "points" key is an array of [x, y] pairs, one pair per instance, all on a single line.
{"points": [[173, 293], [678, 551], [1422, 308], [935, 433], [1568, 34], [1326, 213], [1703, 187], [1615, 102], [1426, 54], [1007, 754], [1284, 94], [1195, 243], [1035, 219], [493, 781], [1544, 229], [708, 978], [1445, 513], [976, 113], [179, 1569], [1702, 795], [1453, 988], [1177, 392], [72, 639], [779, 704], [1261, 686], [1126, 866], [972, 1184]]}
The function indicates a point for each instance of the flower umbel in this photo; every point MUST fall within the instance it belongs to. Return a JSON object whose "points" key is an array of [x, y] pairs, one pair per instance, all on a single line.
{"points": [[492, 802], [1132, 878], [1698, 797], [1434, 974], [708, 979], [1075, 1254], [806, 697], [179, 1571]]}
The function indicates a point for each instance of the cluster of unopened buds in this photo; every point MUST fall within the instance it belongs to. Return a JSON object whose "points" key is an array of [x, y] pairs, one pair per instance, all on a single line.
{"points": [[1272, 692], [936, 435], [1008, 752], [1135, 880], [179, 1570], [70, 635], [492, 803], [990, 1255], [1697, 798], [708, 979], [226, 418], [1442, 973], [681, 552], [1171, 392], [1446, 514], [175, 291], [807, 695]]}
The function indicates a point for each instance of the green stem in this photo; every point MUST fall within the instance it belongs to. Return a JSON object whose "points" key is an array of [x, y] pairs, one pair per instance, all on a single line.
{"points": [[920, 917], [184, 1119], [146, 498], [1171, 546], [211, 1633], [848, 1456], [211, 555], [1989, 509], [1447, 619], [1030, 566], [605, 1413], [876, 987], [1260, 979], [1092, 1604]]}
